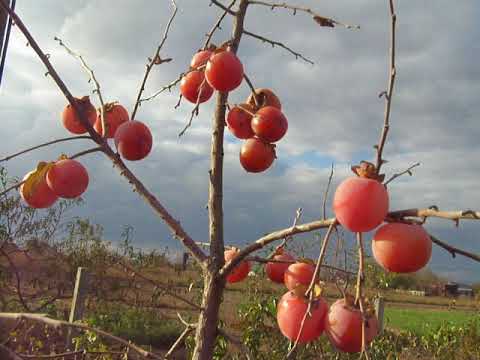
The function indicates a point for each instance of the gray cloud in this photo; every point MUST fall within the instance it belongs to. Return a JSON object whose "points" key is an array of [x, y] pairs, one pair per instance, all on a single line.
{"points": [[333, 110]]}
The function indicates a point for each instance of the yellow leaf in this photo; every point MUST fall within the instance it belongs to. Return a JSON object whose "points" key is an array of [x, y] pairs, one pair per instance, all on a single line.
{"points": [[36, 177]]}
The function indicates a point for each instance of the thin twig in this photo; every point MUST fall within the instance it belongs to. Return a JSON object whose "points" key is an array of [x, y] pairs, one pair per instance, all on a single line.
{"points": [[389, 93], [85, 152], [407, 171], [13, 187], [277, 43], [217, 24], [155, 60], [325, 195], [43, 145], [298, 214], [359, 290], [196, 109], [319, 18], [91, 74], [223, 7], [180, 340], [453, 250], [252, 88]]}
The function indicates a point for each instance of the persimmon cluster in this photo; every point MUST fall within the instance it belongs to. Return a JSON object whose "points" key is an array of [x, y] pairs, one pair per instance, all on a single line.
{"points": [[360, 204], [259, 120], [68, 178], [342, 321]]}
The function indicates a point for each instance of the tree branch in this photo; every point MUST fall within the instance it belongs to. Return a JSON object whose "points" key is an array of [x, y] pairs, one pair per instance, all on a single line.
{"points": [[407, 171], [221, 6], [273, 43], [93, 79], [155, 60], [217, 24], [453, 250], [388, 94], [43, 145], [323, 21]]}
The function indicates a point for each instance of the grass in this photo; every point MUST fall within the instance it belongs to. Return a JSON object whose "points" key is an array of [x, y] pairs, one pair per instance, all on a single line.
{"points": [[420, 321]]}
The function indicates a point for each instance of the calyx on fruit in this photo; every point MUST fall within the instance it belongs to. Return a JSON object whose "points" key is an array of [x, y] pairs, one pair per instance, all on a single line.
{"points": [[367, 170]]}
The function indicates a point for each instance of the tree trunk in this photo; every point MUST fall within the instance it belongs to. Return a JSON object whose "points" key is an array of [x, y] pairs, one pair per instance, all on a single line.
{"points": [[206, 331]]}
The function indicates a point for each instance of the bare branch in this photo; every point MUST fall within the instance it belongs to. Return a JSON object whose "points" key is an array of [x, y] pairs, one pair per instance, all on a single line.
{"points": [[223, 7], [389, 92], [155, 60], [196, 109], [265, 261], [269, 238], [321, 20], [325, 195], [434, 212], [252, 88], [13, 187], [179, 341], [85, 152], [277, 43], [91, 74], [408, 171], [166, 87], [453, 250], [57, 324], [217, 24], [45, 144]]}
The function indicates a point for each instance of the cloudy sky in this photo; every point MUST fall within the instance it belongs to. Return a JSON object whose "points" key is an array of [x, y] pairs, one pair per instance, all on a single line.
{"points": [[333, 109]]}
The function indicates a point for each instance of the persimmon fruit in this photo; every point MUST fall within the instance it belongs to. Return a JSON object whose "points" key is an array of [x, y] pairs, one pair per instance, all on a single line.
{"points": [[360, 204], [200, 58], [115, 115], [402, 248], [256, 155], [194, 85], [300, 273], [290, 313], [240, 271], [41, 196], [224, 71], [239, 121], [269, 124], [265, 97], [133, 140], [276, 270], [71, 121], [343, 326], [67, 178]]}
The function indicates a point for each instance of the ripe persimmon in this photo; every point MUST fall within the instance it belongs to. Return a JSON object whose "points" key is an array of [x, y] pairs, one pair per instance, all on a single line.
{"points": [[240, 271], [67, 178], [71, 121], [115, 115], [133, 140]]}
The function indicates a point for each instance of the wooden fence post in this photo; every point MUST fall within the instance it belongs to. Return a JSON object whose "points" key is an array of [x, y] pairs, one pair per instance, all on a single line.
{"points": [[78, 302], [379, 311]]}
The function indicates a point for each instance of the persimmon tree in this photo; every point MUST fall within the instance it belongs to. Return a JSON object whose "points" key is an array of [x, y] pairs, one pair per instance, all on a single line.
{"points": [[361, 203]]}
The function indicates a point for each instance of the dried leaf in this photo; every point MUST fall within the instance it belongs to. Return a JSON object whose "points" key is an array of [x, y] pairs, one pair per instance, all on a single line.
{"points": [[323, 21], [36, 178]]}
